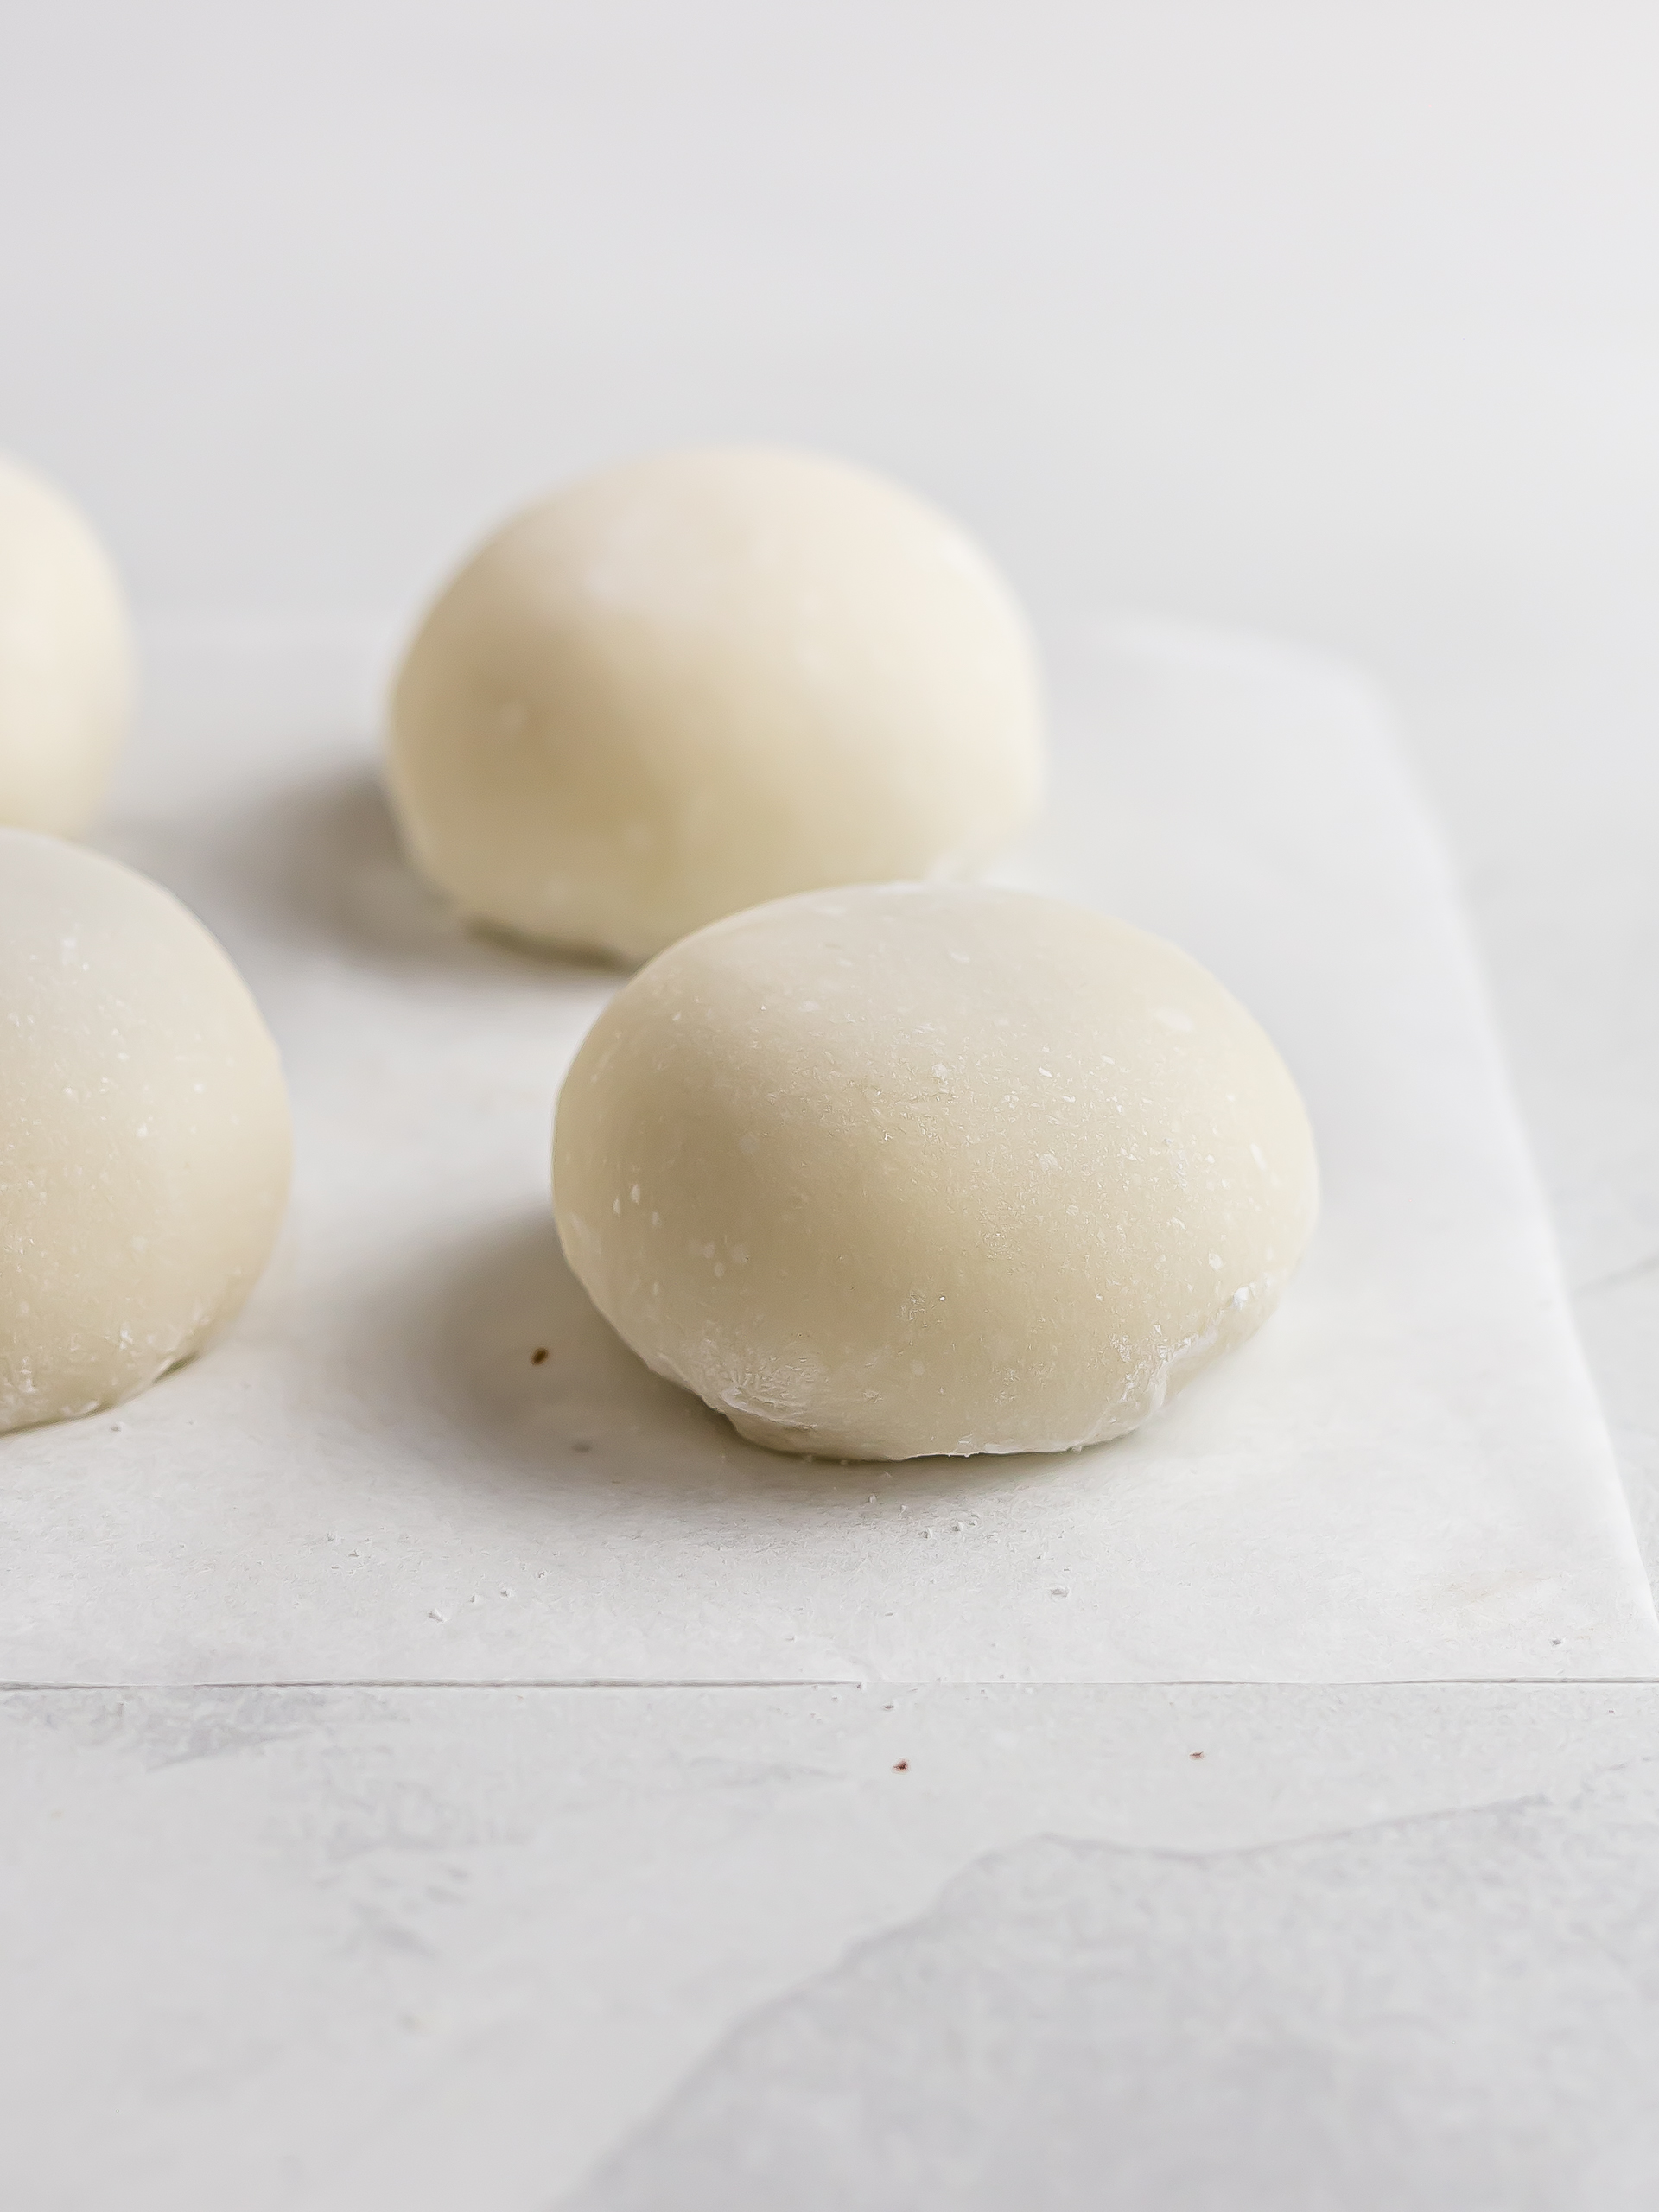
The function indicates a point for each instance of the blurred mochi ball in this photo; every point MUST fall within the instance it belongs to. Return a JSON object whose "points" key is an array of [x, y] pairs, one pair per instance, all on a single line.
{"points": [[705, 680], [66, 663]]}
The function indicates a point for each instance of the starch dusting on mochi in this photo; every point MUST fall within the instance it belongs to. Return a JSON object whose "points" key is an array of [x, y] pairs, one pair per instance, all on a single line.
{"points": [[144, 1133], [703, 680], [904, 1170]]}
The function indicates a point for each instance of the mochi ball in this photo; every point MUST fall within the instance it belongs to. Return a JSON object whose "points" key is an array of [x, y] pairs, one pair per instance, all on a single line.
{"points": [[908, 1169], [66, 659], [706, 680], [144, 1133]]}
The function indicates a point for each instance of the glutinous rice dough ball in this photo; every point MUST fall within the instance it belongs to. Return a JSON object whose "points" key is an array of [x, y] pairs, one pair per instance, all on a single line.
{"points": [[66, 660], [911, 1169], [706, 680], [144, 1133]]}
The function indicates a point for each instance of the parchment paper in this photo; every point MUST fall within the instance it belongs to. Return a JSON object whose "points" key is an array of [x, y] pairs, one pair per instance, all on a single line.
{"points": [[374, 1478]]}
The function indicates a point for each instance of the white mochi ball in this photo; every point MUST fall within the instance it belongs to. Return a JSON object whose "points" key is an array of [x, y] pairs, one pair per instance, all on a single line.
{"points": [[902, 1169], [144, 1133], [707, 680], [66, 659]]}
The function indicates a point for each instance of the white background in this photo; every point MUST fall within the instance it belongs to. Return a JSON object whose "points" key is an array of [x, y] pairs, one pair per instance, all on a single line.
{"points": [[1302, 313], [1338, 319]]}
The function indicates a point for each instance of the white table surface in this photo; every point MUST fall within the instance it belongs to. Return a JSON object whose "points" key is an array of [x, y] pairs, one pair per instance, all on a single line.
{"points": [[1340, 321]]}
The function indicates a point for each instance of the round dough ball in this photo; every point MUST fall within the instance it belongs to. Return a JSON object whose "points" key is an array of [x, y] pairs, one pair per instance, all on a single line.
{"points": [[707, 680], [144, 1133], [66, 659], [907, 1169]]}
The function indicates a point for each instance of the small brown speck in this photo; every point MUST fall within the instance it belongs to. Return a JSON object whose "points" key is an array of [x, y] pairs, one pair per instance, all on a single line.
{"points": [[899, 1765], [539, 1355], [1195, 1755]]}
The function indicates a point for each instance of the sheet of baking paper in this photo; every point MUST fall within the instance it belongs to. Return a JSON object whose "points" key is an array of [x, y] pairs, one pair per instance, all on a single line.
{"points": [[421, 1456]]}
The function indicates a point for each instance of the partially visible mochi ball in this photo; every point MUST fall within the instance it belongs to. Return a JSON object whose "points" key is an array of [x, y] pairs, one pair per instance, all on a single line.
{"points": [[144, 1133], [902, 1169], [705, 680], [66, 659]]}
